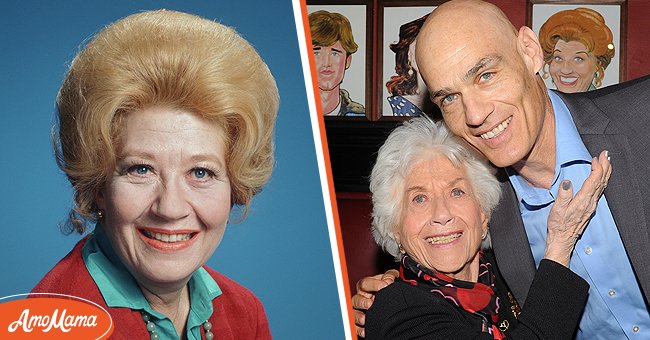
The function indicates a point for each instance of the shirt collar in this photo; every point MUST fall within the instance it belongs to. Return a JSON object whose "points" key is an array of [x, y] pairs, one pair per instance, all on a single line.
{"points": [[568, 143], [569, 149]]}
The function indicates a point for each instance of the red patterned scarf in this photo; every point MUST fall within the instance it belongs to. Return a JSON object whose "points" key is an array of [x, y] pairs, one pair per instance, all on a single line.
{"points": [[477, 298]]}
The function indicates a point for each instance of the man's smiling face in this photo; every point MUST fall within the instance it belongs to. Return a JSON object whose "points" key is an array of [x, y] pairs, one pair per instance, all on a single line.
{"points": [[484, 82]]}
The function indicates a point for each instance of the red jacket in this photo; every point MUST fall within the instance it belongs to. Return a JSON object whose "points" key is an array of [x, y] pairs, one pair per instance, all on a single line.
{"points": [[238, 314]]}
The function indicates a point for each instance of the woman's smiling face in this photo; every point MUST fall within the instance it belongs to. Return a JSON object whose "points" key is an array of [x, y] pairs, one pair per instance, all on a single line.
{"points": [[573, 67], [167, 203], [442, 224]]}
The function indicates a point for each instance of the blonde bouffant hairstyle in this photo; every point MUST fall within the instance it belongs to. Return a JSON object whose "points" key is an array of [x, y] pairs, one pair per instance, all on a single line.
{"points": [[585, 26], [165, 59]]}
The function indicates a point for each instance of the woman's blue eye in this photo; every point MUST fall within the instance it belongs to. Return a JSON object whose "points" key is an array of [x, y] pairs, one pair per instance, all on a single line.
{"points": [[419, 199], [202, 173], [557, 58], [457, 192], [139, 169], [579, 59]]}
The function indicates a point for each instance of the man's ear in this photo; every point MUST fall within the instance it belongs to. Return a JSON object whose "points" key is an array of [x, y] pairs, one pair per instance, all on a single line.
{"points": [[530, 49], [348, 60]]}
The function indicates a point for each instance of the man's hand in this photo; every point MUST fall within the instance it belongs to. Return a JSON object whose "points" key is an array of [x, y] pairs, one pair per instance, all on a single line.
{"points": [[366, 290]]}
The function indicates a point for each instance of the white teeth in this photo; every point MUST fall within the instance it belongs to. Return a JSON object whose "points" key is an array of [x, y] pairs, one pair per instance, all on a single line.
{"points": [[443, 239], [169, 238], [568, 79], [497, 130]]}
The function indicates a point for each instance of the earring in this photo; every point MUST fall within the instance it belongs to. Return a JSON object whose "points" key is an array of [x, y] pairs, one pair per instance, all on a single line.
{"points": [[100, 214], [401, 249], [483, 235]]}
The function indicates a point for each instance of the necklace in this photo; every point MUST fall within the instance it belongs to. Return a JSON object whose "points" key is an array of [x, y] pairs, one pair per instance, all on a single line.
{"points": [[151, 327]]}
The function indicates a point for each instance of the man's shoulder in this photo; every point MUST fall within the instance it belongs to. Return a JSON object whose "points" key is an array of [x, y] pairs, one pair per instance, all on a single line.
{"points": [[611, 109], [638, 84], [630, 87]]}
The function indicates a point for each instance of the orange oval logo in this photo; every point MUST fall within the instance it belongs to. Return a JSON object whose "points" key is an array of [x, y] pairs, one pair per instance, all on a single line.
{"points": [[63, 316]]}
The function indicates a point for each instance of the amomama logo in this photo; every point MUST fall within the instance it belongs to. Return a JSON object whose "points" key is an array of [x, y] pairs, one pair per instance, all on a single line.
{"points": [[53, 316]]}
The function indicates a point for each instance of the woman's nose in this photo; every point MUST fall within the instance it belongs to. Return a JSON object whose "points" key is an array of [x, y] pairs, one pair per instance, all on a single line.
{"points": [[171, 202], [566, 67], [440, 213]]}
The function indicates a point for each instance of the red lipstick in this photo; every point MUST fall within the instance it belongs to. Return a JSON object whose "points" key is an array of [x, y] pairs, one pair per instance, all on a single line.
{"points": [[147, 235]]}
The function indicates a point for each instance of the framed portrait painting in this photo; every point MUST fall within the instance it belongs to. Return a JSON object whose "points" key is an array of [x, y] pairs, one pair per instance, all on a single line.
{"points": [[402, 92], [583, 42], [340, 35]]}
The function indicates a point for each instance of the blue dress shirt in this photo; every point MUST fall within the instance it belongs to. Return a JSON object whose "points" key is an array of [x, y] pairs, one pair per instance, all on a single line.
{"points": [[615, 308]]}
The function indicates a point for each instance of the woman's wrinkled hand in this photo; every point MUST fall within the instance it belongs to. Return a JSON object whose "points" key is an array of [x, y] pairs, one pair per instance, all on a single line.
{"points": [[569, 215]]}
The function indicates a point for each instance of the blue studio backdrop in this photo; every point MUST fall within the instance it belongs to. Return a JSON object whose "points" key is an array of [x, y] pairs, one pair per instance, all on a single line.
{"points": [[281, 251]]}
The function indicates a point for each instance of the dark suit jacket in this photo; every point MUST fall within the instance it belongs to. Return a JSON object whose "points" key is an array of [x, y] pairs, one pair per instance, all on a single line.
{"points": [[615, 118], [405, 311]]}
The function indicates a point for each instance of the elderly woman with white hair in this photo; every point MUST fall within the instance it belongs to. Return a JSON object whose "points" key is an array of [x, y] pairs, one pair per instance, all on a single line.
{"points": [[432, 202]]}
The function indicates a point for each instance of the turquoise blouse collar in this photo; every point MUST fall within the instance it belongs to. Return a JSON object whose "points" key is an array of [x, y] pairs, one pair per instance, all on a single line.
{"points": [[119, 288]]}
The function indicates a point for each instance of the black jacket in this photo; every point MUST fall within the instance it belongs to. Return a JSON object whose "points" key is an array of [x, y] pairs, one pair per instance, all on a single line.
{"points": [[553, 309]]}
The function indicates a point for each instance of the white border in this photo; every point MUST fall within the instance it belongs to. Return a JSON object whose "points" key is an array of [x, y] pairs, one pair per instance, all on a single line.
{"points": [[321, 163]]}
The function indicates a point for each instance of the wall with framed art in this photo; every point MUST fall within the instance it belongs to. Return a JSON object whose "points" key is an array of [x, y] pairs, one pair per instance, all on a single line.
{"points": [[353, 141], [344, 68], [400, 89], [376, 25], [595, 19]]}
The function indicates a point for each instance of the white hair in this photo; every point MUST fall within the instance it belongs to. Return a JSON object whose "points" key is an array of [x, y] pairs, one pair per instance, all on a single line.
{"points": [[409, 143]]}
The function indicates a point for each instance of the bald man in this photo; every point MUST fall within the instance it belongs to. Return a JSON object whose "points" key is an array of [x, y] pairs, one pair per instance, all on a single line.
{"points": [[483, 74]]}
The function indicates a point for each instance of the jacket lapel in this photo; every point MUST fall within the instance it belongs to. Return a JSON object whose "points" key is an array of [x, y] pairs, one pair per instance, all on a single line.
{"points": [[510, 242], [623, 193]]}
